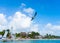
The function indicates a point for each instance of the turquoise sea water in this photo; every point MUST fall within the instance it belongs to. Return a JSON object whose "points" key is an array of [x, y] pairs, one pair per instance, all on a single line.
{"points": [[33, 41]]}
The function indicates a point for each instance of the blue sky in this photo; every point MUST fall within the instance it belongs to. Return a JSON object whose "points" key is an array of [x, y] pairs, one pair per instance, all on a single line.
{"points": [[47, 10], [48, 13]]}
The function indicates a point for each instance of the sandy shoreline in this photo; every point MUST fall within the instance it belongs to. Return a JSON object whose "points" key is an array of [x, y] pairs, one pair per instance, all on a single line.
{"points": [[30, 39]]}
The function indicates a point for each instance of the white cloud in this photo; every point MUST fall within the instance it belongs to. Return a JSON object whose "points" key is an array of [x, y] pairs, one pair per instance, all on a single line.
{"points": [[53, 27], [3, 27], [3, 20], [49, 25], [35, 28], [30, 11], [44, 32], [18, 21], [49, 28], [22, 4]]}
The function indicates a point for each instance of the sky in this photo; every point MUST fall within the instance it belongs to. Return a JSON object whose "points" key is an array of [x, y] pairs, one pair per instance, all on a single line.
{"points": [[16, 16]]}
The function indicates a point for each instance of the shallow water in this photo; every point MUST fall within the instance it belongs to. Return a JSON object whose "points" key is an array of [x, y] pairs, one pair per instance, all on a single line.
{"points": [[32, 41]]}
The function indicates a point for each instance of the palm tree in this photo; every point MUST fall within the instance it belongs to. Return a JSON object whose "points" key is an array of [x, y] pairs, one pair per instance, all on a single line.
{"points": [[9, 34]]}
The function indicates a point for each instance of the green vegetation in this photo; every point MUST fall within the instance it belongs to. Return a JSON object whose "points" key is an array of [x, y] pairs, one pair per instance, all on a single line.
{"points": [[29, 35], [17, 34], [49, 36], [33, 34], [9, 34], [24, 35], [2, 32]]}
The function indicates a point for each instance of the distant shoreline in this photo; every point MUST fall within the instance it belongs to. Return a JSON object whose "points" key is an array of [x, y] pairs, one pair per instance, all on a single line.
{"points": [[29, 39]]}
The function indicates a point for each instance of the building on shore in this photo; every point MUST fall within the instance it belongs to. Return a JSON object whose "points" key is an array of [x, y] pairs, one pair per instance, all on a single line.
{"points": [[23, 34], [38, 37]]}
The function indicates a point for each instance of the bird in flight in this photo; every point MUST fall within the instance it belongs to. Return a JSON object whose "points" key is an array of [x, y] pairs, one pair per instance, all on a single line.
{"points": [[34, 16]]}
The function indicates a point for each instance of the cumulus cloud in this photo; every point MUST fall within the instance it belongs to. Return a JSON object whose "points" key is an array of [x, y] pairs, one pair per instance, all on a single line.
{"points": [[35, 28], [51, 26], [29, 11], [19, 21], [22, 4], [44, 32], [3, 20]]}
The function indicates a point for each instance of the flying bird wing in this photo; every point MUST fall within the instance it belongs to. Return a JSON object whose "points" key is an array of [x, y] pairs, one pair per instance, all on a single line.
{"points": [[34, 16]]}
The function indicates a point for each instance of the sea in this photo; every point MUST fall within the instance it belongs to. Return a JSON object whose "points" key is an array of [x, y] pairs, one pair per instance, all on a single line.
{"points": [[31, 41]]}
